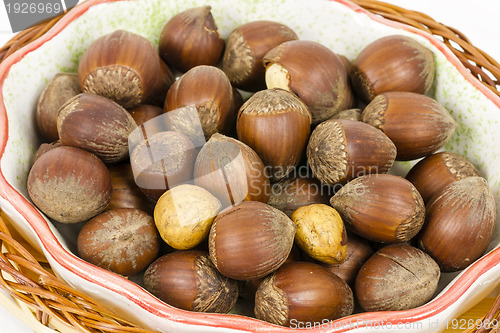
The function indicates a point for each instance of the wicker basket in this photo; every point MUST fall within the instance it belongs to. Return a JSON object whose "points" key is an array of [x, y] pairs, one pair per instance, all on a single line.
{"points": [[46, 304]]}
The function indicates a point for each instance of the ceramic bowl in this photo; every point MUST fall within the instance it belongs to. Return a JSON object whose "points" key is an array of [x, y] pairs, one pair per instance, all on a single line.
{"points": [[340, 25]]}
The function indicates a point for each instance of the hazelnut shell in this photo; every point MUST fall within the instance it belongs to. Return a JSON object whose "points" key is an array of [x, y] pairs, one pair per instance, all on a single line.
{"points": [[122, 66], [280, 147], [459, 224], [124, 241], [302, 292], [69, 184], [232, 171], [311, 71], [392, 63], [436, 171], [245, 48], [250, 240], [397, 277], [96, 124], [188, 280], [416, 124], [190, 39], [383, 208], [340, 150]]}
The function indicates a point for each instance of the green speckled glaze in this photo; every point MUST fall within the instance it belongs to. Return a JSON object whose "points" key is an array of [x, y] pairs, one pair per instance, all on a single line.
{"points": [[330, 23]]}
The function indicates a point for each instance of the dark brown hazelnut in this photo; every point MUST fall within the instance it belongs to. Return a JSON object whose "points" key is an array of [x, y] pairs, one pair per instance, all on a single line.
{"points": [[231, 171], [188, 280], [383, 208], [45, 147], [392, 63], [245, 48], [96, 124], [417, 124], [350, 114], [122, 66], [246, 251], [289, 194], [61, 88], [162, 161], [350, 100], [164, 80], [397, 277], [124, 241], [248, 288], [280, 147], [436, 171], [142, 113], [459, 224], [340, 150], [69, 184], [190, 39], [358, 252], [302, 292], [209, 90], [126, 194], [311, 71]]}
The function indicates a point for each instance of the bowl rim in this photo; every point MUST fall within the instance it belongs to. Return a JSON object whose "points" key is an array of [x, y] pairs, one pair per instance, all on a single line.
{"points": [[148, 302]]}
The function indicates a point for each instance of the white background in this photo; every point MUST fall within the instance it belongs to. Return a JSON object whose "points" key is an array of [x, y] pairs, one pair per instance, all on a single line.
{"points": [[477, 19]]}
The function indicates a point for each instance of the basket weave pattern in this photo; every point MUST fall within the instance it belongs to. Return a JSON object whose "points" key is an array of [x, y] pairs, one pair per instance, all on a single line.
{"points": [[29, 281]]}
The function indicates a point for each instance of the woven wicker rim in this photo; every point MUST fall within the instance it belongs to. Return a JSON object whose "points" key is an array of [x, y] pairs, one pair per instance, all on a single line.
{"points": [[29, 280]]}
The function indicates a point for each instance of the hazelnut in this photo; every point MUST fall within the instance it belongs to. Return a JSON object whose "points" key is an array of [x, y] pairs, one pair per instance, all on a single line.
{"points": [[321, 233], [250, 240], [61, 88], [350, 99], [190, 39], [392, 63], [280, 147], [397, 277], [302, 292], [340, 150], [188, 280], [69, 184], [126, 194], [383, 208], [436, 171], [209, 89], [358, 252], [416, 124], [248, 288], [45, 147], [124, 241], [245, 48], [122, 66], [143, 113], [311, 71], [231, 171], [162, 161], [96, 124], [350, 114], [291, 193], [184, 215], [164, 80], [459, 224]]}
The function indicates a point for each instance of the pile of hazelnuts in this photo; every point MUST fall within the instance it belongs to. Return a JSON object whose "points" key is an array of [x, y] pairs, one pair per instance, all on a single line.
{"points": [[178, 178]]}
